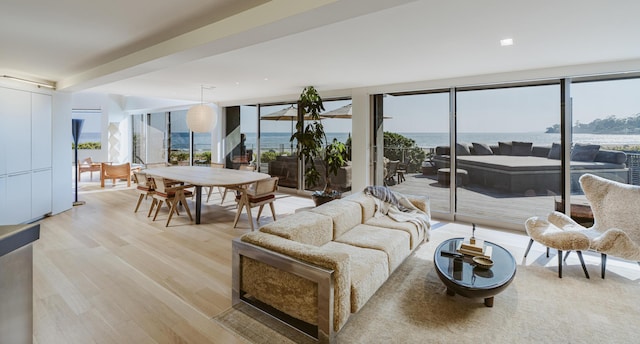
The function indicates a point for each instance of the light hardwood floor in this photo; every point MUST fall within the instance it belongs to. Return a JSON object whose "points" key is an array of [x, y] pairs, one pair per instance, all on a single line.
{"points": [[104, 274]]}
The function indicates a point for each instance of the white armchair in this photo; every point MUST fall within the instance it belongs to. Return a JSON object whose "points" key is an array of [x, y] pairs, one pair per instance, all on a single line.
{"points": [[616, 228]]}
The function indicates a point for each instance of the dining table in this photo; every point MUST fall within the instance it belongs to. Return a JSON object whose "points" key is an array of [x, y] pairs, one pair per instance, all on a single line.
{"points": [[200, 176]]}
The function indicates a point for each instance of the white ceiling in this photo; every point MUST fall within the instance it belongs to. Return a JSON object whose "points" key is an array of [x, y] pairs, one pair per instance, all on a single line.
{"points": [[167, 49]]}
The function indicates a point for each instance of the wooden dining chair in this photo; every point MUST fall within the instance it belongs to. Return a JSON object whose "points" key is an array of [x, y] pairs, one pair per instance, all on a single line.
{"points": [[172, 196], [220, 188], [256, 194], [145, 189], [240, 168]]}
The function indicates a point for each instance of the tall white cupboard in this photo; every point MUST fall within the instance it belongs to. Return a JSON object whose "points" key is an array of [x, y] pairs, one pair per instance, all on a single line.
{"points": [[25, 156]]}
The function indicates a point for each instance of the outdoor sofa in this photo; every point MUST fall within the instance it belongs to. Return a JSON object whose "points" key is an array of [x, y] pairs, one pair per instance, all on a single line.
{"points": [[520, 167], [286, 168], [314, 268]]}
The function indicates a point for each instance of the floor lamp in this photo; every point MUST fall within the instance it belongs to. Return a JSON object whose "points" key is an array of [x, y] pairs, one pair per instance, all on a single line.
{"points": [[76, 129]]}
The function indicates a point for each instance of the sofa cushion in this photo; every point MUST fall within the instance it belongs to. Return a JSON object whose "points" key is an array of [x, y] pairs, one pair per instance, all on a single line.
{"points": [[610, 156], [505, 148], [481, 149], [443, 150], [521, 148], [367, 203], [416, 236], [395, 243], [368, 270], [555, 152], [584, 152], [463, 148], [317, 229], [540, 151], [345, 215]]}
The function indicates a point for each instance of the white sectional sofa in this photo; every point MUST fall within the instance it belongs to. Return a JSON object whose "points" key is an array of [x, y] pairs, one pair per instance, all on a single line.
{"points": [[315, 268]]}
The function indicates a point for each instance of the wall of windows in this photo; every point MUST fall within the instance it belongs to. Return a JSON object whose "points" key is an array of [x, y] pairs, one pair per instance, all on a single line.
{"points": [[507, 157]]}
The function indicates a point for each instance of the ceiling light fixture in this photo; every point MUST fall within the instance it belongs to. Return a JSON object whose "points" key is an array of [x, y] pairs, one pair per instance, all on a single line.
{"points": [[201, 118], [506, 42], [37, 83]]}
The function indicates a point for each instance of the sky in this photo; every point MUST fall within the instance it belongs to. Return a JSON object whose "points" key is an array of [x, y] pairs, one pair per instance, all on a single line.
{"points": [[522, 109], [519, 109]]}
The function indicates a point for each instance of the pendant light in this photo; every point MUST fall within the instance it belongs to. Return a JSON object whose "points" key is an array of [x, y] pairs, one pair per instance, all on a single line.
{"points": [[201, 118]]}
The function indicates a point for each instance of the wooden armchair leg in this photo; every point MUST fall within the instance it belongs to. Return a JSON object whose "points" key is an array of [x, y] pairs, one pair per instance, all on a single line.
{"points": [[139, 201], [273, 210]]}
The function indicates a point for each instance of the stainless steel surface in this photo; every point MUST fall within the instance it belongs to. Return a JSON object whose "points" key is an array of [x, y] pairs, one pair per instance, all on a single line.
{"points": [[16, 282]]}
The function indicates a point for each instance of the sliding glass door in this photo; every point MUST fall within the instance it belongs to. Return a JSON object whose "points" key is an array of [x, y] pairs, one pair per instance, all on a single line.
{"points": [[506, 168], [414, 126]]}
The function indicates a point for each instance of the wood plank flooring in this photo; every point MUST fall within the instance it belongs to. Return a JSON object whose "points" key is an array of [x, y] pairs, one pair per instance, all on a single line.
{"points": [[104, 274]]}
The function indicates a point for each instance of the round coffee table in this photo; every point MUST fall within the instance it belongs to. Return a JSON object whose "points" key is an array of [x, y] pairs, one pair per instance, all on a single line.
{"points": [[460, 275]]}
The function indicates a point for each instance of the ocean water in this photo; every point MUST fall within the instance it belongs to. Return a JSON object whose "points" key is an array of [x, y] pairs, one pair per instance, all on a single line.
{"points": [[280, 141]]}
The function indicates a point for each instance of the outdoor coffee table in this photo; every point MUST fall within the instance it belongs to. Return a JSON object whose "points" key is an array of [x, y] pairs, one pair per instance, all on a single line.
{"points": [[460, 275]]}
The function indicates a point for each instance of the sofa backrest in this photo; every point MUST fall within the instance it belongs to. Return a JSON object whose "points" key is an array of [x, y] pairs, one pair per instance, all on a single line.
{"points": [[367, 203], [304, 227], [345, 215]]}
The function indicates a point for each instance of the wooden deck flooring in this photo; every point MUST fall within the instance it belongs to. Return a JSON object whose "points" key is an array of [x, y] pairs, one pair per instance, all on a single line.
{"points": [[478, 202]]}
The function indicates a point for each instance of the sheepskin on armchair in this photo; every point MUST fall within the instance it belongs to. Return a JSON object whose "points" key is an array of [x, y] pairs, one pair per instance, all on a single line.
{"points": [[616, 227]]}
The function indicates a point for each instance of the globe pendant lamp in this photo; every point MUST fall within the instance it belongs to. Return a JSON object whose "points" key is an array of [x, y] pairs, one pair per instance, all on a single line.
{"points": [[201, 118]]}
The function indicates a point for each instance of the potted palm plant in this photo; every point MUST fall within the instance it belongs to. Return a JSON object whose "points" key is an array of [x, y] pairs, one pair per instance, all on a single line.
{"points": [[313, 146]]}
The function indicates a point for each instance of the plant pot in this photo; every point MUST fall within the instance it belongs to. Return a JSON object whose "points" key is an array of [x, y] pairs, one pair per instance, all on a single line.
{"points": [[320, 198]]}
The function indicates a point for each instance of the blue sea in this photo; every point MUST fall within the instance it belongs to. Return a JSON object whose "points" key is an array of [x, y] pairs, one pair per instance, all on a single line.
{"points": [[280, 141]]}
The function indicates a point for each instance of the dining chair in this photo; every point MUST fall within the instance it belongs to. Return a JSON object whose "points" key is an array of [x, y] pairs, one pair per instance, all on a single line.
{"points": [[145, 189], [240, 168], [172, 196], [256, 194], [220, 188]]}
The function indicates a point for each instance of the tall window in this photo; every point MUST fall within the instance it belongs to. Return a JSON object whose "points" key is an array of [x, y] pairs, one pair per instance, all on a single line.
{"points": [[414, 125], [139, 139], [606, 131], [91, 135], [504, 166], [277, 153]]}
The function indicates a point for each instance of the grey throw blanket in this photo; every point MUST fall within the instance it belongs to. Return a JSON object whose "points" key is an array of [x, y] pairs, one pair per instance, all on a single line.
{"points": [[399, 208]]}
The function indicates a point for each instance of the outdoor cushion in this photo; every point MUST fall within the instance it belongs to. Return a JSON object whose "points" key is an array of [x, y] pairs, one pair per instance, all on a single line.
{"points": [[521, 148], [482, 149], [582, 152], [614, 157], [505, 148], [555, 151], [463, 149]]}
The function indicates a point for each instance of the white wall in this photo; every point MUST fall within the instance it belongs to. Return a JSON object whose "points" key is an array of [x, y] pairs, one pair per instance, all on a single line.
{"points": [[62, 192]]}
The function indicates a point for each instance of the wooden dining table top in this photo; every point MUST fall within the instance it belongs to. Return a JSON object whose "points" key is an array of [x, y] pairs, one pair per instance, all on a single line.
{"points": [[207, 176]]}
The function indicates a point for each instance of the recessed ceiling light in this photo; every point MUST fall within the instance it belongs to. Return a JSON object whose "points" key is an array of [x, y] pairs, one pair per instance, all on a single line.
{"points": [[266, 79], [506, 42]]}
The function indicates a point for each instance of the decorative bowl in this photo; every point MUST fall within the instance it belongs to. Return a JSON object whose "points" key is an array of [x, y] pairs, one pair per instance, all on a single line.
{"points": [[483, 262]]}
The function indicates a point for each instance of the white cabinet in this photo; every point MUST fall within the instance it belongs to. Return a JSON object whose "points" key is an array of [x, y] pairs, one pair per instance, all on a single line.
{"points": [[25, 155], [16, 113], [18, 198], [40, 193], [40, 131]]}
